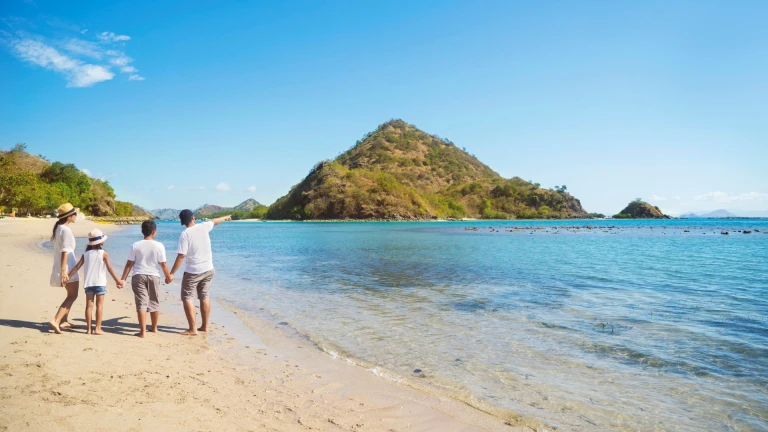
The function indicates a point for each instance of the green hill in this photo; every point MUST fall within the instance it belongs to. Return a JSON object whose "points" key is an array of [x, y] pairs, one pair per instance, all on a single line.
{"points": [[401, 172], [639, 209], [34, 185]]}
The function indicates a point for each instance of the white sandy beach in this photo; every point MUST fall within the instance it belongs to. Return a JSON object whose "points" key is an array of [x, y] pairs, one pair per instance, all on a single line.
{"points": [[243, 375]]}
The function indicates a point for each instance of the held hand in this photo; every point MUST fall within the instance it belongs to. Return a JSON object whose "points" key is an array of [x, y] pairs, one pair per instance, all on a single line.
{"points": [[169, 279], [64, 279], [120, 284], [227, 218]]}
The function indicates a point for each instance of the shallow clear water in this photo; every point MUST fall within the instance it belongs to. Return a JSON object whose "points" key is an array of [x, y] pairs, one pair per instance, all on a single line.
{"points": [[630, 325]]}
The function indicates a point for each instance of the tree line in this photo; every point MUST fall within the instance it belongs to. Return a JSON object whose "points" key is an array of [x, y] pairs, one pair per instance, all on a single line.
{"points": [[23, 186]]}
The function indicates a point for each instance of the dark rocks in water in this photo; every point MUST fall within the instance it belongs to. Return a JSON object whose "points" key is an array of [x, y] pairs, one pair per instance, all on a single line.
{"points": [[757, 230], [724, 233], [747, 232]]}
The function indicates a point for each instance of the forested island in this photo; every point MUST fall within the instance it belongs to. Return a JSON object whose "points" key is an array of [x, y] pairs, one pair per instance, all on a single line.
{"points": [[400, 172]]}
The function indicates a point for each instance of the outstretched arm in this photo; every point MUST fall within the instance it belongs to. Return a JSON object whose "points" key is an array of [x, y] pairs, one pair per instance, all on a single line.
{"points": [[177, 263], [72, 273], [222, 219]]}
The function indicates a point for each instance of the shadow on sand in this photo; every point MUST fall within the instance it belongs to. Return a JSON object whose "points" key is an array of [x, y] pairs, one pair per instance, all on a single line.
{"points": [[113, 325]]}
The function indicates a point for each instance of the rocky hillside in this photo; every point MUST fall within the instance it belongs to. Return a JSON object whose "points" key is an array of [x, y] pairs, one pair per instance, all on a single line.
{"points": [[401, 172], [639, 209]]}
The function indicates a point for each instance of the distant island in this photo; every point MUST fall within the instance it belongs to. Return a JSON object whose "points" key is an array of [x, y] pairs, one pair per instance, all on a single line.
{"points": [[721, 213], [399, 172], [248, 209], [639, 209]]}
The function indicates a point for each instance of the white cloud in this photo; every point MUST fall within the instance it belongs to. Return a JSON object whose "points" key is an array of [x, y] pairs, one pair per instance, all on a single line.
{"points": [[86, 171], [84, 48], [223, 187], [136, 78], [724, 197], [78, 73], [676, 198], [251, 189], [655, 197], [128, 69], [108, 37], [121, 60], [170, 187]]}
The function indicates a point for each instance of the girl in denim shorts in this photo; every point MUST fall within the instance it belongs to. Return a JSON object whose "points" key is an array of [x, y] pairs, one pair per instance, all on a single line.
{"points": [[96, 262]]}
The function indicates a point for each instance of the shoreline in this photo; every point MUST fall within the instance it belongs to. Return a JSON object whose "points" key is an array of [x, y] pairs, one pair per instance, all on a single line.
{"points": [[246, 373]]}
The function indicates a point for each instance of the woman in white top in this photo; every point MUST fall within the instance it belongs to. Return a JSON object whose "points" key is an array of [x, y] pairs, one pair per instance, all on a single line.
{"points": [[63, 261]]}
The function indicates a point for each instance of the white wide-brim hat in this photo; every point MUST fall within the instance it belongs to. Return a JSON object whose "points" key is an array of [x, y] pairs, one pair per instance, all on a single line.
{"points": [[96, 237]]}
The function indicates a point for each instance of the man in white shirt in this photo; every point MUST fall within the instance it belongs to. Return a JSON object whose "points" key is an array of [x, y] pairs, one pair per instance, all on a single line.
{"points": [[147, 258], [195, 247]]}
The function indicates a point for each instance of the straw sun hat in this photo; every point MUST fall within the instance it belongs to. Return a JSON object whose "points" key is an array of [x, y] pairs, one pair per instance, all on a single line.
{"points": [[96, 237], [66, 210]]}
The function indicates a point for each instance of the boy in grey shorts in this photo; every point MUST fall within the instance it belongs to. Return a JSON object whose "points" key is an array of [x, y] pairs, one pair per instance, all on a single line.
{"points": [[147, 259]]}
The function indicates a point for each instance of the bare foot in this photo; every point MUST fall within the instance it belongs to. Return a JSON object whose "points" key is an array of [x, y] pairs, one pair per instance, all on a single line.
{"points": [[203, 329], [141, 335], [54, 327], [189, 333], [88, 332], [66, 325], [154, 330], [98, 332]]}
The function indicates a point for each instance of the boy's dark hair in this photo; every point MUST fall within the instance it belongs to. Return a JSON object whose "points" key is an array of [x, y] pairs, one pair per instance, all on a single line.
{"points": [[93, 247], [148, 227], [185, 217]]}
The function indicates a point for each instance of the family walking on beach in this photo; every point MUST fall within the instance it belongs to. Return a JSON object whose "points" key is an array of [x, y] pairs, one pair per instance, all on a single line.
{"points": [[146, 259]]}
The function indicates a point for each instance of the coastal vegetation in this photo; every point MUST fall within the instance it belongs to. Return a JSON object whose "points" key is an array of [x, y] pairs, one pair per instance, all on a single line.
{"points": [[639, 209], [401, 172], [32, 184]]}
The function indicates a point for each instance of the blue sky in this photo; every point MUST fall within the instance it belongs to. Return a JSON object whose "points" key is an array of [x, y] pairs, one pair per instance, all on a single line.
{"points": [[180, 103]]}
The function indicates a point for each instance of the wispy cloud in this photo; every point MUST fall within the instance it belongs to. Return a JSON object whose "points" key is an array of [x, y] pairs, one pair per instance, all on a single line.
{"points": [[86, 171], [84, 48], [223, 187], [170, 187], [251, 189], [724, 197], [78, 73], [109, 37], [83, 60]]}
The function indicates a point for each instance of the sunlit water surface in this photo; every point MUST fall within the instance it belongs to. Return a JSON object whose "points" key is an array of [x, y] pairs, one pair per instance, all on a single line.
{"points": [[629, 325]]}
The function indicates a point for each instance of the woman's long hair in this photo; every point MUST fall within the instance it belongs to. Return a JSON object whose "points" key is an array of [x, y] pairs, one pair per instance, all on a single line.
{"points": [[93, 247], [61, 221]]}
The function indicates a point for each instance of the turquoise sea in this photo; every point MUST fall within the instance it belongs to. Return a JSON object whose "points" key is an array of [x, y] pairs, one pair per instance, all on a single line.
{"points": [[585, 325]]}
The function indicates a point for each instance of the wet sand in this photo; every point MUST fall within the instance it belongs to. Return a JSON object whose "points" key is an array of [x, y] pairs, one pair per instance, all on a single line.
{"points": [[243, 375]]}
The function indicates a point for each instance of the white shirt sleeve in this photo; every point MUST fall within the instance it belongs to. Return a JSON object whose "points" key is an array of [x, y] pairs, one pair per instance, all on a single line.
{"points": [[209, 226], [183, 244], [132, 253], [161, 253], [67, 241]]}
